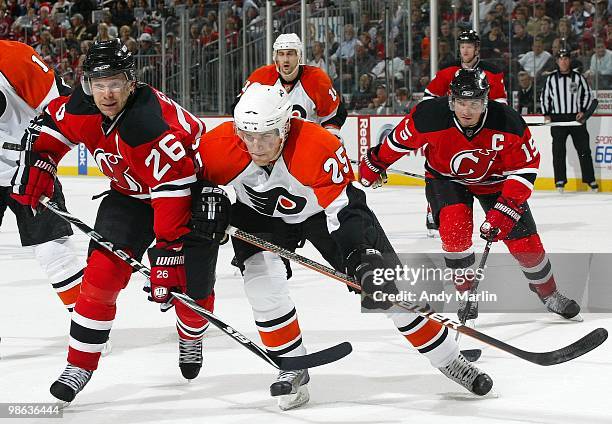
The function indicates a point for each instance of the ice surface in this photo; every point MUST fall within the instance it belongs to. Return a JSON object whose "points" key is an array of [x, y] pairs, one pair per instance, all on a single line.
{"points": [[382, 381]]}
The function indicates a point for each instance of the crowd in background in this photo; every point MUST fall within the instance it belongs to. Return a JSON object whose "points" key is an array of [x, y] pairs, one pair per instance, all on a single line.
{"points": [[371, 68]]}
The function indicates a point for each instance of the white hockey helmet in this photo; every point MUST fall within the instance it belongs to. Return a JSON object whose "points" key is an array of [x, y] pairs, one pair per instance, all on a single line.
{"points": [[288, 42], [263, 108]]}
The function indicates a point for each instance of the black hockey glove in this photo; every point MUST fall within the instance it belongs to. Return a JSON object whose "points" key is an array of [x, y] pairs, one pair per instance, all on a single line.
{"points": [[367, 266], [210, 215]]}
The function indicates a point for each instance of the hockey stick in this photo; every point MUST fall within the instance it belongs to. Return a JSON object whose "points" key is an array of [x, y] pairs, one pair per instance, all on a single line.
{"points": [[586, 115], [316, 359], [395, 171], [564, 354], [473, 355]]}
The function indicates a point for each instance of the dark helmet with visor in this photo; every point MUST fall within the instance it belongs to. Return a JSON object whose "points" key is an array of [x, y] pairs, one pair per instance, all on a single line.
{"points": [[469, 84], [106, 59]]}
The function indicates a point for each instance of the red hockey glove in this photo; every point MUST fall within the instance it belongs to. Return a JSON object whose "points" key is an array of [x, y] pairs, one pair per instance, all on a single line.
{"points": [[372, 170], [500, 219], [34, 178], [167, 273]]}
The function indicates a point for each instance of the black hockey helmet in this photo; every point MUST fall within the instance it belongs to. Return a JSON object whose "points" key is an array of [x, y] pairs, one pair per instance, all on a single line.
{"points": [[105, 59], [563, 53], [469, 84], [468, 36]]}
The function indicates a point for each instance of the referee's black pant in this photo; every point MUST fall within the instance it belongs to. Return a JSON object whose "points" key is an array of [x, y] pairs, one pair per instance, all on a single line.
{"points": [[580, 137]]}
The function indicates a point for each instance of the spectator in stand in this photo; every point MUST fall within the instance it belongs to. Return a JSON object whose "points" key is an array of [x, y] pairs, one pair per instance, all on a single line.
{"points": [[579, 18], [601, 9], [207, 35], [446, 35], [521, 41], [318, 60], [535, 60], [194, 33], [331, 44], [212, 20], [65, 71], [546, 34], [485, 6], [362, 96], [131, 45], [145, 47], [526, 95], [446, 57], [493, 44], [85, 45], [122, 15], [78, 27], [83, 8], [125, 34], [5, 24], [368, 26], [402, 101], [45, 41], [70, 41], [569, 41], [379, 101], [364, 60], [367, 43], [60, 6], [600, 69], [346, 51], [396, 67], [103, 34], [534, 23]]}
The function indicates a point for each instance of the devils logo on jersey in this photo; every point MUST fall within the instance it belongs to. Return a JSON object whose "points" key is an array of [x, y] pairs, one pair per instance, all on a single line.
{"points": [[277, 199], [114, 167], [472, 165]]}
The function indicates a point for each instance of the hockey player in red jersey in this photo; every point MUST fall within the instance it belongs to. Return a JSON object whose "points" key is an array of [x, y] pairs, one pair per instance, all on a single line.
{"points": [[293, 182], [483, 150], [27, 85], [140, 140], [469, 52], [310, 90]]}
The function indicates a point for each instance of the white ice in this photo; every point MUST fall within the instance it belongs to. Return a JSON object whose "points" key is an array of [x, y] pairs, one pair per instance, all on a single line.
{"points": [[382, 381]]}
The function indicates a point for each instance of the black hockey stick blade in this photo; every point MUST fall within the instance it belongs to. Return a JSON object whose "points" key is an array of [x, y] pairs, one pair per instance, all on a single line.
{"points": [[572, 351], [471, 355], [311, 360]]}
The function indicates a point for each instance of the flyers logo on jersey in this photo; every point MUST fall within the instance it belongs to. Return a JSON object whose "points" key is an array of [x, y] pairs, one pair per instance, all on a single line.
{"points": [[114, 167], [277, 199], [472, 165]]}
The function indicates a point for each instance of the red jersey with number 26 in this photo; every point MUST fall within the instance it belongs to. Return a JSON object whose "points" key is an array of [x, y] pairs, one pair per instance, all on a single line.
{"points": [[146, 151], [497, 155]]}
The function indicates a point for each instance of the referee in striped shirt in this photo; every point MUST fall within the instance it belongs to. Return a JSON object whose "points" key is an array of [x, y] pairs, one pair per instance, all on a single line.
{"points": [[565, 97]]}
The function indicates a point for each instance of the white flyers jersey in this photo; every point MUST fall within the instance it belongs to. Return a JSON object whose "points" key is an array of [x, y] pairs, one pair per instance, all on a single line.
{"points": [[27, 85], [309, 177], [313, 96]]}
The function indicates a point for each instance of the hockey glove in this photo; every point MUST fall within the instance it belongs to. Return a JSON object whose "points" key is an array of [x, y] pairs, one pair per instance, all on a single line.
{"points": [[167, 273], [372, 170], [367, 266], [210, 215], [500, 219], [34, 178]]}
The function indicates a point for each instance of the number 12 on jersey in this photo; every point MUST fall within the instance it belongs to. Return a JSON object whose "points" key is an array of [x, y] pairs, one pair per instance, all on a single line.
{"points": [[333, 165]]}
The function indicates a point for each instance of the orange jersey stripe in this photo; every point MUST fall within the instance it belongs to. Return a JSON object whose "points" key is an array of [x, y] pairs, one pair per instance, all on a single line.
{"points": [[281, 336], [69, 296], [424, 334]]}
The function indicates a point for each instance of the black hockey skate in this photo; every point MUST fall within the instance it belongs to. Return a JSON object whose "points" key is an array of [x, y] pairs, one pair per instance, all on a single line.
{"points": [[291, 389], [190, 357], [472, 312], [71, 382], [561, 305], [465, 373]]}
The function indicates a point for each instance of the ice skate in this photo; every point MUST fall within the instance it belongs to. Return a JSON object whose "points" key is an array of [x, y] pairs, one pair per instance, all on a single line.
{"points": [[69, 383], [466, 374], [594, 187], [190, 358], [291, 389], [561, 305]]}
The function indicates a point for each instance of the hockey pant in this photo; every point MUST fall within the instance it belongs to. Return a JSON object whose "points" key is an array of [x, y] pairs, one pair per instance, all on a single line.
{"points": [[452, 206]]}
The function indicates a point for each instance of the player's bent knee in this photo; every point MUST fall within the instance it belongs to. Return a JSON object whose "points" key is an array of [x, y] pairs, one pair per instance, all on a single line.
{"points": [[529, 250], [456, 227], [105, 276]]}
